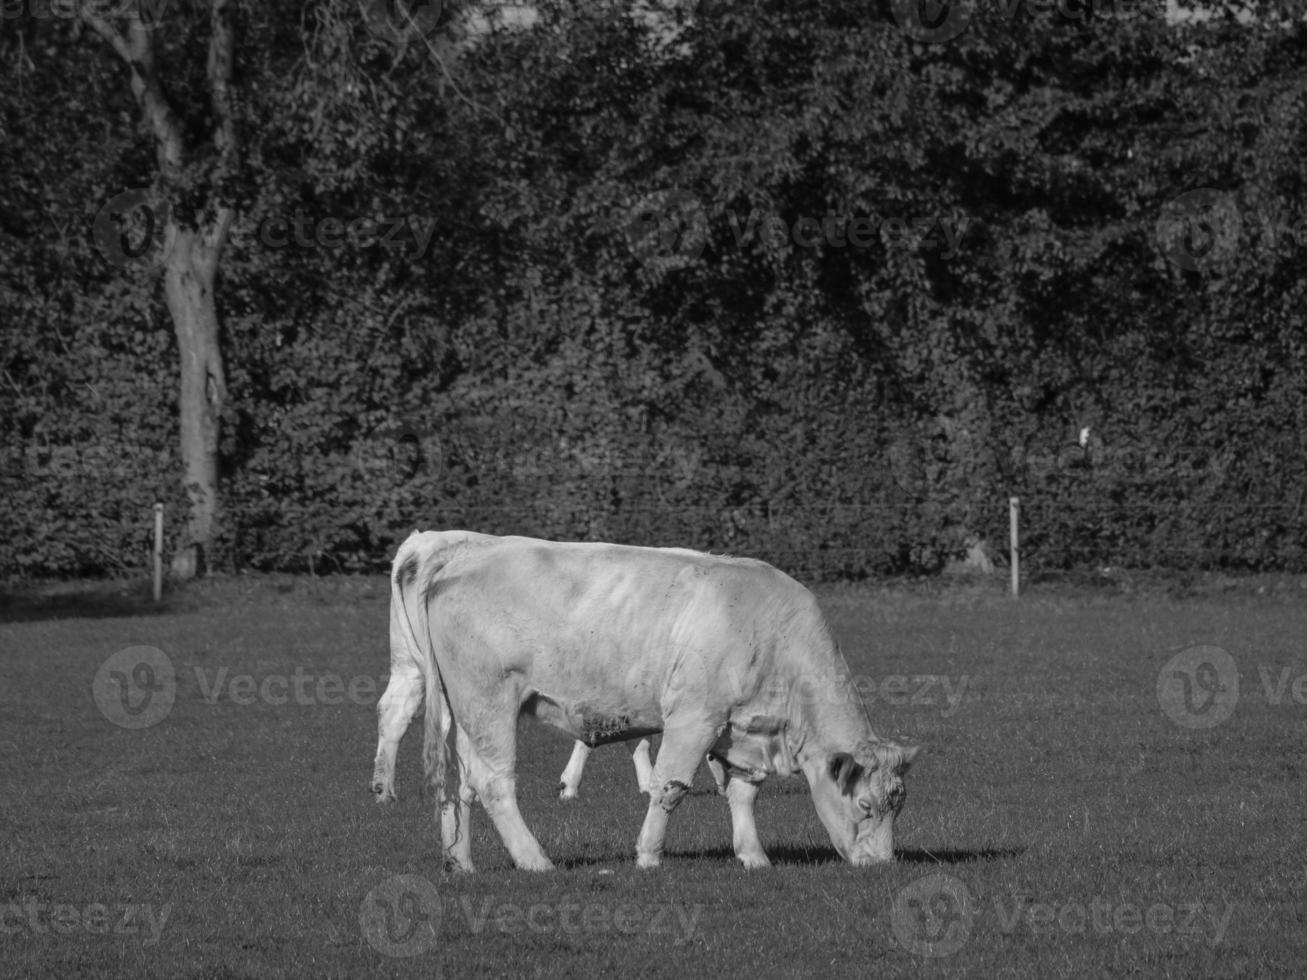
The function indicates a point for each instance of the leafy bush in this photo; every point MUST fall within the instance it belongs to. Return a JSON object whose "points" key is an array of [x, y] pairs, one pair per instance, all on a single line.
{"points": [[792, 285]]}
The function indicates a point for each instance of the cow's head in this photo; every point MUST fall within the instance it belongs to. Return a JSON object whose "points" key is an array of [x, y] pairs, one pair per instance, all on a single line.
{"points": [[858, 796]]}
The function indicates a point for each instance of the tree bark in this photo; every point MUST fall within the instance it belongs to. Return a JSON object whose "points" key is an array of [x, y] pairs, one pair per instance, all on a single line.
{"points": [[188, 288]]}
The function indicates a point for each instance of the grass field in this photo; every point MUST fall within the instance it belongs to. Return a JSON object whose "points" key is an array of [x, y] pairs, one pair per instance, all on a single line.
{"points": [[1068, 816]]}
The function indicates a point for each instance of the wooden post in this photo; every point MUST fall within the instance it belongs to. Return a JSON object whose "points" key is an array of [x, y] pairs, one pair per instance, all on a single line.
{"points": [[158, 552], [1013, 509]]}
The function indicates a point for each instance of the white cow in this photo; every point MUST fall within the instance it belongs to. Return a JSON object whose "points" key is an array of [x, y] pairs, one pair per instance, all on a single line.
{"points": [[609, 643], [570, 781]]}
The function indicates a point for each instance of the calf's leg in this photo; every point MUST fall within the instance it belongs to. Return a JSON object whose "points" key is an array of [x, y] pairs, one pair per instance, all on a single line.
{"points": [[570, 780], [643, 767]]}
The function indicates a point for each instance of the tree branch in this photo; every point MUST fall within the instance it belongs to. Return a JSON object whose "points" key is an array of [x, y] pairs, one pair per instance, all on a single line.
{"points": [[221, 49], [136, 48], [219, 68], [110, 34]]}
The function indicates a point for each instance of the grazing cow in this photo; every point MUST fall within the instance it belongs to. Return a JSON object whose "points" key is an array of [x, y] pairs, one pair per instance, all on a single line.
{"points": [[570, 781], [609, 643]]}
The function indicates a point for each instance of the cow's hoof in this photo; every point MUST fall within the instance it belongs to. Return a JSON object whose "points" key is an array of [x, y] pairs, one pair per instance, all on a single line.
{"points": [[565, 792], [646, 860], [754, 861], [383, 795], [536, 862]]}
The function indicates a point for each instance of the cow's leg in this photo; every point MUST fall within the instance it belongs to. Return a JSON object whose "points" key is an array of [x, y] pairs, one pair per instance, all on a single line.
{"points": [[744, 832], [570, 780], [395, 710], [493, 761], [455, 804], [683, 746], [643, 766]]}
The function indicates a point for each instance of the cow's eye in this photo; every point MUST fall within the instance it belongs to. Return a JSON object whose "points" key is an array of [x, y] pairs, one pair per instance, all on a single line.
{"points": [[865, 804]]}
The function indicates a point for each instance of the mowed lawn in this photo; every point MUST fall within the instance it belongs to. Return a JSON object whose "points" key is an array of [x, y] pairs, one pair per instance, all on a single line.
{"points": [[1058, 822]]}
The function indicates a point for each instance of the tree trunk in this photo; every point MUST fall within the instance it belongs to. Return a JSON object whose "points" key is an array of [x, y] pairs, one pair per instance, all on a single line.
{"points": [[188, 288], [191, 252]]}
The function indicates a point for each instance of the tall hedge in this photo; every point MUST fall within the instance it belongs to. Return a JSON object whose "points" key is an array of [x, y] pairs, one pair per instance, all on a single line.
{"points": [[790, 282]]}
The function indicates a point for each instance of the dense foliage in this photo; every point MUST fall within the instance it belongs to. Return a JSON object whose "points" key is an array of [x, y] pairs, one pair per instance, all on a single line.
{"points": [[777, 278]]}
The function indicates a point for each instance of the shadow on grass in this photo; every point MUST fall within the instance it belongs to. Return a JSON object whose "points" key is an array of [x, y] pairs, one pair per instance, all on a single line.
{"points": [[780, 855], [783, 855], [917, 855], [94, 601]]}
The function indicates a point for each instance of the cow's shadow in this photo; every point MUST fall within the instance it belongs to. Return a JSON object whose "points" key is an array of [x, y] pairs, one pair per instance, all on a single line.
{"points": [[791, 854], [919, 855]]}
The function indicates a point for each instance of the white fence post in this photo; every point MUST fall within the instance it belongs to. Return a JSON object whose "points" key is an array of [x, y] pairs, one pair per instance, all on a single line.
{"points": [[158, 552], [1014, 509]]}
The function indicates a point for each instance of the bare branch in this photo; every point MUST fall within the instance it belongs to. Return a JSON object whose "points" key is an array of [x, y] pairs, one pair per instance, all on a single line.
{"points": [[434, 51], [221, 48], [136, 48], [219, 68], [110, 34]]}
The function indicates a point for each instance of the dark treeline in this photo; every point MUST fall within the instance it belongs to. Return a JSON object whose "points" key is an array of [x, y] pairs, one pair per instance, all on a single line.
{"points": [[808, 280]]}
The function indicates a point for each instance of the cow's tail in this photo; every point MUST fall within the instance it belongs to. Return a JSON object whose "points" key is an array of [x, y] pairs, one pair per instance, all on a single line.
{"points": [[410, 630], [435, 744]]}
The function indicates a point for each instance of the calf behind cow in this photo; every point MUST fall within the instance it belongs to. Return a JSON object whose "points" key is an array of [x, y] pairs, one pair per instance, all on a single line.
{"points": [[727, 656], [569, 782]]}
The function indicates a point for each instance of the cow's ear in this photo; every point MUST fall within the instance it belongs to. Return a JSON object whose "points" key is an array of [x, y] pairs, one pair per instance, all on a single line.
{"points": [[843, 768], [909, 752], [894, 756]]}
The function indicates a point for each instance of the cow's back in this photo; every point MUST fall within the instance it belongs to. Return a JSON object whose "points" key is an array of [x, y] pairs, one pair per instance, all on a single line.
{"points": [[602, 629]]}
